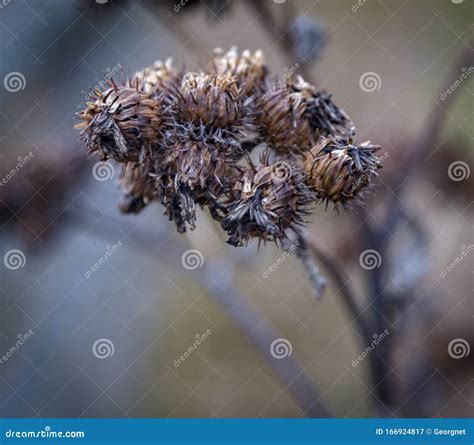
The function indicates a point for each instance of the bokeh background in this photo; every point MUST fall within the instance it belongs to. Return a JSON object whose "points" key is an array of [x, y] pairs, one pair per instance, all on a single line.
{"points": [[106, 342]]}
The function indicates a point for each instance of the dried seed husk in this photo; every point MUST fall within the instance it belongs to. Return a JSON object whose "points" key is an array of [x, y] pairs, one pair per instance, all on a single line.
{"points": [[268, 199], [137, 185], [122, 123], [249, 69], [341, 172]]}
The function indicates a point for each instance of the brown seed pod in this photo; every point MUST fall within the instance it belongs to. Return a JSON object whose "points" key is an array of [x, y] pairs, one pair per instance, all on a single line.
{"points": [[199, 166], [250, 70], [325, 117], [122, 122], [341, 172], [212, 100], [267, 200], [160, 78], [283, 118], [137, 186]]}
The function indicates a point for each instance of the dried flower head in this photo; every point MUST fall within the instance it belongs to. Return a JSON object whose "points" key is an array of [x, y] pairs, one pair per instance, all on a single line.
{"points": [[284, 121], [160, 78], [325, 117], [250, 70], [341, 172], [268, 199], [186, 141], [137, 185], [122, 122]]}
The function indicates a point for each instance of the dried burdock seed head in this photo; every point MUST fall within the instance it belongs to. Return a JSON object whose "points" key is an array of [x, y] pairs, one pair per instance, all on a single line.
{"points": [[284, 121], [121, 123], [213, 100], [268, 200], [178, 202], [160, 78], [249, 69], [198, 166], [341, 172], [325, 117], [137, 185]]}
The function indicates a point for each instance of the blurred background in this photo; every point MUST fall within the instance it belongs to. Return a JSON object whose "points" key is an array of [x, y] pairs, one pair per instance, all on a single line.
{"points": [[111, 315]]}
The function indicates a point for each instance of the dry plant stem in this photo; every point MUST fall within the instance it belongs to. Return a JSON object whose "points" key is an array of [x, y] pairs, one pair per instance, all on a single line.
{"points": [[318, 281], [380, 241], [216, 278], [365, 325], [280, 33]]}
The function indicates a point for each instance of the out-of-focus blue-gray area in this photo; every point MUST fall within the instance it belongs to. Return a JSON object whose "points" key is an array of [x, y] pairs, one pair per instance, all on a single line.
{"points": [[111, 308]]}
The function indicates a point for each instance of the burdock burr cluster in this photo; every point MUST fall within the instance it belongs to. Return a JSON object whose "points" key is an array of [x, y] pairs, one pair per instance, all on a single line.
{"points": [[257, 152]]}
